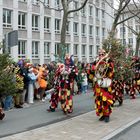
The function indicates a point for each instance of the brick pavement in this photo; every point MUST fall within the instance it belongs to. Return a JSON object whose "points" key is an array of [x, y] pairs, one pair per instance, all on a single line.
{"points": [[86, 126]]}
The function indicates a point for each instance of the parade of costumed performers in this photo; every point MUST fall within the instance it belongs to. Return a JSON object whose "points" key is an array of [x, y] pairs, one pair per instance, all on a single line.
{"points": [[124, 75], [118, 56], [63, 86], [103, 68], [136, 80]]}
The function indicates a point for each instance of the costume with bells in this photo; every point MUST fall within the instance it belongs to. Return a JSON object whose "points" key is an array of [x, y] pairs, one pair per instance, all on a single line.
{"points": [[62, 92], [103, 95]]}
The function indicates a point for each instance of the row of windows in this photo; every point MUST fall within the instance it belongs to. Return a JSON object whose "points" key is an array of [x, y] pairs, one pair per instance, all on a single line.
{"points": [[7, 22], [124, 42], [76, 6], [22, 47], [123, 29]]}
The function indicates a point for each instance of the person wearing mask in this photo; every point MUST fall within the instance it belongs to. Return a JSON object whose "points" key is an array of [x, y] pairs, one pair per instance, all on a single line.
{"points": [[104, 71]]}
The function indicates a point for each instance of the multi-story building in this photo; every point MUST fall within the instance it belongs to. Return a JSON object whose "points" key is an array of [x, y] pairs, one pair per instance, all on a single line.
{"points": [[39, 28], [125, 30]]}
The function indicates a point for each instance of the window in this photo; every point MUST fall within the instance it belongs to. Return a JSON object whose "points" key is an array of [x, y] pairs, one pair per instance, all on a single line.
{"points": [[137, 20], [122, 30], [103, 14], [75, 28], [97, 49], [90, 50], [57, 4], [103, 4], [46, 2], [90, 10], [21, 49], [137, 28], [131, 27], [130, 41], [97, 31], [35, 25], [97, 12], [68, 27], [90, 30], [103, 32], [130, 22], [83, 29], [83, 11], [57, 48], [35, 49], [47, 24], [76, 7], [83, 50], [75, 50], [46, 49], [123, 41], [35, 1], [7, 18], [57, 25], [21, 20]]}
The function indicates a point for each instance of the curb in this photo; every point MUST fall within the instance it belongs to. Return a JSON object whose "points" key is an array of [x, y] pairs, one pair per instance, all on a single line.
{"points": [[121, 130]]}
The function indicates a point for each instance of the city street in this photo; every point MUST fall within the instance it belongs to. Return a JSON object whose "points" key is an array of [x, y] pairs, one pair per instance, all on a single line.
{"points": [[132, 133], [19, 120]]}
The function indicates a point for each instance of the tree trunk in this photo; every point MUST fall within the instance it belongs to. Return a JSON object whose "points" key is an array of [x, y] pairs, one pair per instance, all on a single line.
{"points": [[63, 29], [112, 32], [62, 48]]}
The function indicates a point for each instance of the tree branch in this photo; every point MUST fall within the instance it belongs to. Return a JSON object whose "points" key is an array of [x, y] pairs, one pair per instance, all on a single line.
{"points": [[128, 18], [49, 7], [75, 10]]}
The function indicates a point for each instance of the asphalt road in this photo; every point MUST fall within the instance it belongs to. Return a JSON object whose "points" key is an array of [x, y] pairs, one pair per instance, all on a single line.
{"points": [[34, 116], [132, 133]]}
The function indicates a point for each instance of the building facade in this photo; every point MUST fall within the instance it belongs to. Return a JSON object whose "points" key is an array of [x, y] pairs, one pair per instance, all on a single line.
{"points": [[39, 26], [124, 32]]}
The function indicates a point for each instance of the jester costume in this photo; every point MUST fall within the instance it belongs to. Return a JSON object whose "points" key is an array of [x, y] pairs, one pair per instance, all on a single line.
{"points": [[62, 92], [118, 91], [133, 83], [103, 95]]}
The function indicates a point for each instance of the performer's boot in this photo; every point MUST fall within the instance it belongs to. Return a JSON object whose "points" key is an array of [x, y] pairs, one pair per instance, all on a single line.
{"points": [[51, 109], [102, 118], [2, 115], [106, 119], [120, 102]]}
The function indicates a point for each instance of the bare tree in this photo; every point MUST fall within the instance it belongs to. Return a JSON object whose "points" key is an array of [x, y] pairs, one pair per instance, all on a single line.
{"points": [[66, 12], [135, 7], [121, 16]]}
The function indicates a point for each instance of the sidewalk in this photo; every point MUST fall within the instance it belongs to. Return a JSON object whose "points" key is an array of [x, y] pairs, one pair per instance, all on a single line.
{"points": [[86, 126]]}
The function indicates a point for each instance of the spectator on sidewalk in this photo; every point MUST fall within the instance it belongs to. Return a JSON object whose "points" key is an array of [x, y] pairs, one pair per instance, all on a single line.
{"points": [[42, 82], [32, 78], [19, 87], [84, 83]]}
